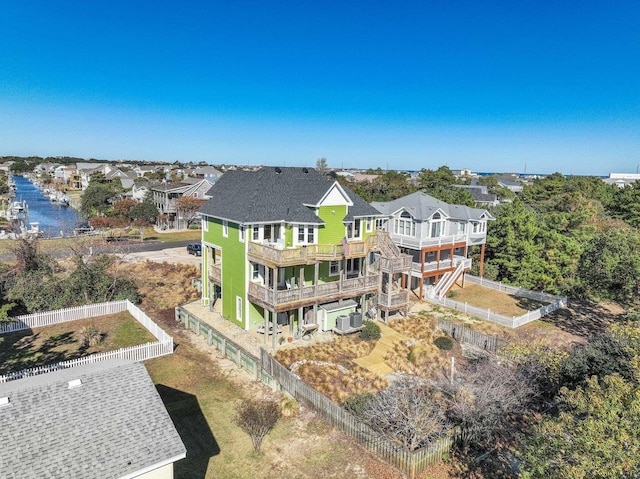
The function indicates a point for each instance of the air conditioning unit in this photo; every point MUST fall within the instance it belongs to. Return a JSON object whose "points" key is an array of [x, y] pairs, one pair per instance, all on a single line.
{"points": [[355, 320], [342, 322]]}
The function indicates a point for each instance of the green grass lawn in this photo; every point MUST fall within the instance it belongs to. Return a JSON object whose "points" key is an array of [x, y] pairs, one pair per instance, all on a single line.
{"points": [[51, 344], [496, 301], [201, 398]]}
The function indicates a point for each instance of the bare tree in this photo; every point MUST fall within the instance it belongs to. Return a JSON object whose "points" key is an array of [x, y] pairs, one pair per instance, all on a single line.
{"points": [[257, 417], [187, 207], [321, 166], [406, 413], [483, 399]]}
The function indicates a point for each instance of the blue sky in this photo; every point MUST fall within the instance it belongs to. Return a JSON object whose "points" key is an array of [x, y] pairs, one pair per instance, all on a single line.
{"points": [[493, 86]]}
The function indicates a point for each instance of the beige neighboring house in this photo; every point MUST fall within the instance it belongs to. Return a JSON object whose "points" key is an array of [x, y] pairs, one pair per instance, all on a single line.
{"points": [[166, 194], [101, 420]]}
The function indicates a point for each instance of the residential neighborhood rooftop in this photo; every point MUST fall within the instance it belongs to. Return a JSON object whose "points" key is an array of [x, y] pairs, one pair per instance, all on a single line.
{"points": [[422, 206], [93, 421], [275, 194]]}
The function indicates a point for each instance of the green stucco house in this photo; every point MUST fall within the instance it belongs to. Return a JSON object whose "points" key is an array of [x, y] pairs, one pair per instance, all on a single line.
{"points": [[287, 246]]}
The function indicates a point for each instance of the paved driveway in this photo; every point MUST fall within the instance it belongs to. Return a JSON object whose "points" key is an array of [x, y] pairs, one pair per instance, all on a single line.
{"points": [[169, 255]]}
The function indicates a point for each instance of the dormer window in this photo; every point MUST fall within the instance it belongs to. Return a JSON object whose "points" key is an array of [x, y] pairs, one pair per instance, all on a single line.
{"points": [[404, 225]]}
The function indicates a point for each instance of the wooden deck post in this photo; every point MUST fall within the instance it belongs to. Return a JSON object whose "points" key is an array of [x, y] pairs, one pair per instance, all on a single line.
{"points": [[481, 269]]}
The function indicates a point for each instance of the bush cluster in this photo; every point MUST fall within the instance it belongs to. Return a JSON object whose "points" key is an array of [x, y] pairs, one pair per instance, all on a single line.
{"points": [[371, 331], [443, 342]]}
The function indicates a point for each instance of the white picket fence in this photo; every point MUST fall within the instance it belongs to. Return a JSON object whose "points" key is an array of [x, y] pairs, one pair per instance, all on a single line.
{"points": [[555, 302], [142, 352]]}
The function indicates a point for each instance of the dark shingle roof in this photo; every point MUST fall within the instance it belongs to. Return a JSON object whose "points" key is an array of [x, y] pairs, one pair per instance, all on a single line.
{"points": [[274, 194], [111, 426], [422, 206]]}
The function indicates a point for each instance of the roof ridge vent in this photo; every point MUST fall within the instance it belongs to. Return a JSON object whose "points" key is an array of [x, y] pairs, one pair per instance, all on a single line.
{"points": [[75, 383]]}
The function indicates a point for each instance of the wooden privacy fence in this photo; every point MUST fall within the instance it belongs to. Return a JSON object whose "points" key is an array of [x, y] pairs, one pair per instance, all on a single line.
{"points": [[142, 352], [236, 353], [409, 462], [268, 370], [555, 302], [467, 335]]}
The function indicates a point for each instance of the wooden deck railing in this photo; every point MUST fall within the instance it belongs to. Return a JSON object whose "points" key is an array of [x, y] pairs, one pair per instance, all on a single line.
{"points": [[276, 254], [391, 301], [357, 285]]}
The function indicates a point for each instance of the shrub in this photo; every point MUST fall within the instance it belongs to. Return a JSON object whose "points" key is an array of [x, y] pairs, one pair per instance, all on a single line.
{"points": [[289, 407], [355, 404], [443, 342], [90, 336], [452, 294], [371, 331], [257, 417]]}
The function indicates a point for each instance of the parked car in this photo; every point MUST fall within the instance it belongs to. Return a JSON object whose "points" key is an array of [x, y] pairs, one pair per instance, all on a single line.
{"points": [[194, 248]]}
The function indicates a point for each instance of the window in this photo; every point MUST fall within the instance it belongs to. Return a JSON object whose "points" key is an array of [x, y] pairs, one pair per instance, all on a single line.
{"points": [[461, 227], [369, 225], [436, 225], [479, 227], [353, 265], [334, 268], [205, 223], [238, 308], [353, 229], [241, 233], [306, 234], [225, 228], [257, 273], [381, 223], [255, 235], [404, 225]]}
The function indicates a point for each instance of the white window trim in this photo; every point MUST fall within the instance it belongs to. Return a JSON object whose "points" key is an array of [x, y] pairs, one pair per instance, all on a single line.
{"points": [[405, 222], [305, 232], [239, 308], [225, 228], [241, 233], [369, 224], [205, 223]]}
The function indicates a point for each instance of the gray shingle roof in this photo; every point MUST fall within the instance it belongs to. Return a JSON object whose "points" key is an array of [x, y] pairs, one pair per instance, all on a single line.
{"points": [[111, 426], [274, 194], [422, 206]]}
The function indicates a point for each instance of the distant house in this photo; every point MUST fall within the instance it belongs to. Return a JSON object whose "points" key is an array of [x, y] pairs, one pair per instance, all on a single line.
{"points": [[480, 195], [622, 179], [102, 420], [511, 183], [139, 190], [63, 173], [166, 194], [208, 173], [437, 236]]}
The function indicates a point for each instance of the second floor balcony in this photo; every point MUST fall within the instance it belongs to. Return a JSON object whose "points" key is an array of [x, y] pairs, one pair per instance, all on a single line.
{"points": [[419, 243], [286, 299], [277, 255]]}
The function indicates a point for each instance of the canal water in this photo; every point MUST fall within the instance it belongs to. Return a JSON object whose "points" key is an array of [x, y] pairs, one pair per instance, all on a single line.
{"points": [[53, 219]]}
